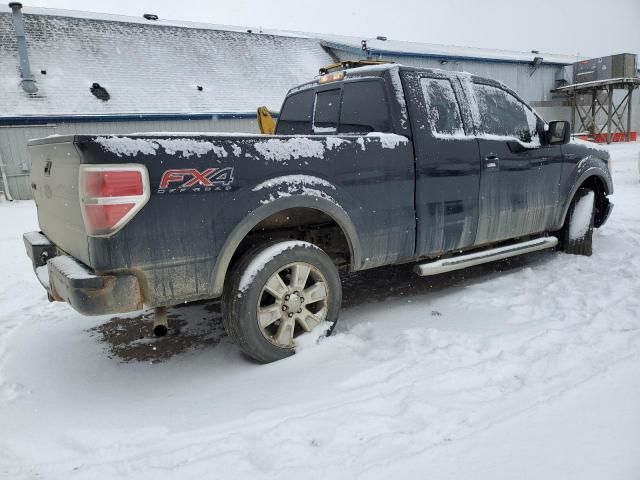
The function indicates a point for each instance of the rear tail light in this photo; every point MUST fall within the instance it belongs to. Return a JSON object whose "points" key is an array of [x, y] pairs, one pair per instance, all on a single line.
{"points": [[110, 195]]}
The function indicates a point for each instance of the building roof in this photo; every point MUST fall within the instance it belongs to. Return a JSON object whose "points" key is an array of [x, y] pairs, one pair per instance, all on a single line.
{"points": [[147, 66], [110, 17], [155, 67], [396, 48]]}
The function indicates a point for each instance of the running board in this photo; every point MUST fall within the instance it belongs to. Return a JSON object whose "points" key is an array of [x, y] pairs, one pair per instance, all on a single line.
{"points": [[485, 256]]}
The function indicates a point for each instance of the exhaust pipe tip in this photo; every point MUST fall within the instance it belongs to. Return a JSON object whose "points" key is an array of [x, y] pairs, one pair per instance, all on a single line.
{"points": [[160, 330], [160, 322]]}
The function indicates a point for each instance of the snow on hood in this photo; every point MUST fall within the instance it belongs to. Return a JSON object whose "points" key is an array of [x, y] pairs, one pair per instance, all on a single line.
{"points": [[591, 145]]}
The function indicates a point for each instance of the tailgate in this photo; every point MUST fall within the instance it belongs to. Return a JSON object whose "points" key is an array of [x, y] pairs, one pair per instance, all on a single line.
{"points": [[55, 164]]}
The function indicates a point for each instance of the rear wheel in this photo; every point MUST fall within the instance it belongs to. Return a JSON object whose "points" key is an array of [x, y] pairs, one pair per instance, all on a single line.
{"points": [[277, 293], [576, 237]]}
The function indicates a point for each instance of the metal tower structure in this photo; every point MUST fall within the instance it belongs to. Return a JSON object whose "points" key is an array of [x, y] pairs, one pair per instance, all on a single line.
{"points": [[604, 115]]}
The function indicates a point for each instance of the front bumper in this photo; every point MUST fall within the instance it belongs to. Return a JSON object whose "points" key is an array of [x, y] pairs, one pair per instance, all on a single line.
{"points": [[67, 280]]}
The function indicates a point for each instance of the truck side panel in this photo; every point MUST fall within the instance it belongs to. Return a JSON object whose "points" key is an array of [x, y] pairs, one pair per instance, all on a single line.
{"points": [[203, 188]]}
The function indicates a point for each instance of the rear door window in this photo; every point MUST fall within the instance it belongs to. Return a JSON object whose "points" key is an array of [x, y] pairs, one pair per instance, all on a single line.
{"points": [[364, 107], [295, 117], [327, 111], [443, 111], [503, 114]]}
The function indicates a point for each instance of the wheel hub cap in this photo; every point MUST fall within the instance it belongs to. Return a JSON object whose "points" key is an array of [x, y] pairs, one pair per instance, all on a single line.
{"points": [[293, 301]]}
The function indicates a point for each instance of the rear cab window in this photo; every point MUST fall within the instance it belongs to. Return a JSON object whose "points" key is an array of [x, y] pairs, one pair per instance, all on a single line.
{"points": [[327, 111], [364, 107], [295, 115], [356, 107]]}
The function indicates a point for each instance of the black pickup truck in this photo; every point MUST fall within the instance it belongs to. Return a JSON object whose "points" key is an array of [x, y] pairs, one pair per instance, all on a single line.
{"points": [[368, 166]]}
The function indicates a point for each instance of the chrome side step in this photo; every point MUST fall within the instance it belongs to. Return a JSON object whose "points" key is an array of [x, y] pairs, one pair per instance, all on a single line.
{"points": [[485, 256]]}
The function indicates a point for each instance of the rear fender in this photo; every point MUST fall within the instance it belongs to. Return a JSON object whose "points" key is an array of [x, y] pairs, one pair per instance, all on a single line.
{"points": [[278, 202]]}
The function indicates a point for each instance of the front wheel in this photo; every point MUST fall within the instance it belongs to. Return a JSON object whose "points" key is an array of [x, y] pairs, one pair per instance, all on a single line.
{"points": [[576, 236], [278, 292]]}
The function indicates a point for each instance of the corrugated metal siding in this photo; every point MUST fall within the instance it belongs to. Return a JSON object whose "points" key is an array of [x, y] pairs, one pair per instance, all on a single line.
{"points": [[13, 140]]}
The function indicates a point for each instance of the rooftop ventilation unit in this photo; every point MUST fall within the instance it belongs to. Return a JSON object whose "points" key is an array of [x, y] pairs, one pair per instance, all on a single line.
{"points": [[605, 68]]}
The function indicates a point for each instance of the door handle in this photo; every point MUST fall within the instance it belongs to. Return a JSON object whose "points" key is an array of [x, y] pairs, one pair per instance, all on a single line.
{"points": [[491, 161]]}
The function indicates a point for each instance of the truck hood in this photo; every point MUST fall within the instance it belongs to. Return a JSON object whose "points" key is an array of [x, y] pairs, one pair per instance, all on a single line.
{"points": [[583, 148]]}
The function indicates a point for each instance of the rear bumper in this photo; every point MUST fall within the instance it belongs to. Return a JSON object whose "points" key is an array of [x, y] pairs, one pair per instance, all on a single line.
{"points": [[67, 280]]}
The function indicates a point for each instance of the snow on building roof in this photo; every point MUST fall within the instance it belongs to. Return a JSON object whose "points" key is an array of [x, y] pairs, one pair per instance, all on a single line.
{"points": [[413, 49], [156, 67], [110, 17], [148, 67]]}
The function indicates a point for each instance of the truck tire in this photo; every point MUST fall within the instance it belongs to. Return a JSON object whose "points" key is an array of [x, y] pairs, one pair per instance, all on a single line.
{"points": [[576, 237], [276, 293]]}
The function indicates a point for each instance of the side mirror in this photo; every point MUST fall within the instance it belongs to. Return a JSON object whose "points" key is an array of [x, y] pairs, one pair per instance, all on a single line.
{"points": [[559, 133]]}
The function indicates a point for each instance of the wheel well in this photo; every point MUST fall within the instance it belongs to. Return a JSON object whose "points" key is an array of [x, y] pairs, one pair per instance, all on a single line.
{"points": [[300, 223], [601, 201]]}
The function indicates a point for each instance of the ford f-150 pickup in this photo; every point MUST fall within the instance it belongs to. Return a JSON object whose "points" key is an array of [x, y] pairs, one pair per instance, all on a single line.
{"points": [[368, 166]]}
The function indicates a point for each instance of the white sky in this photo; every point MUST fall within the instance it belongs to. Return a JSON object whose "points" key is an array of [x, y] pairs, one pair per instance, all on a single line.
{"points": [[587, 27]]}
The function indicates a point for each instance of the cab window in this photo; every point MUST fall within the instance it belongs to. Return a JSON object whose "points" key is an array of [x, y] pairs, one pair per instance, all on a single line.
{"points": [[503, 114], [295, 116], [327, 111], [443, 111], [364, 107], [351, 107]]}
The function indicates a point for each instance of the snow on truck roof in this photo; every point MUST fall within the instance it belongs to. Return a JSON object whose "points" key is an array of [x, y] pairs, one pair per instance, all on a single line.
{"points": [[164, 67]]}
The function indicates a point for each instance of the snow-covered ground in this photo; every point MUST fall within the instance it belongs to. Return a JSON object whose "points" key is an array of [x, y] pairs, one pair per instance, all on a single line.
{"points": [[527, 369]]}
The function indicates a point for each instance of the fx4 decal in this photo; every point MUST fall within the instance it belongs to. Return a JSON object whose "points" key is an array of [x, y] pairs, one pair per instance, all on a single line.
{"points": [[193, 180]]}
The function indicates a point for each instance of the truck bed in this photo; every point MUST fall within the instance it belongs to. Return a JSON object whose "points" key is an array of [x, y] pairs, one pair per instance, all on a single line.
{"points": [[205, 187]]}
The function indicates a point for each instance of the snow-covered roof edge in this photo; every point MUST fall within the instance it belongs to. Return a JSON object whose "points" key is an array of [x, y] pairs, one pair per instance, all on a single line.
{"points": [[112, 17], [339, 42], [427, 50]]}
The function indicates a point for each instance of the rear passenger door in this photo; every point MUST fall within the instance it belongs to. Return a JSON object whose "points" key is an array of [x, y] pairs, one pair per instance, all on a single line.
{"points": [[447, 163], [520, 175]]}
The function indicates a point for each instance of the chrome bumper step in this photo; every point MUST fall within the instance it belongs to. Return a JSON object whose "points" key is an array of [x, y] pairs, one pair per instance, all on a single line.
{"points": [[463, 261]]}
